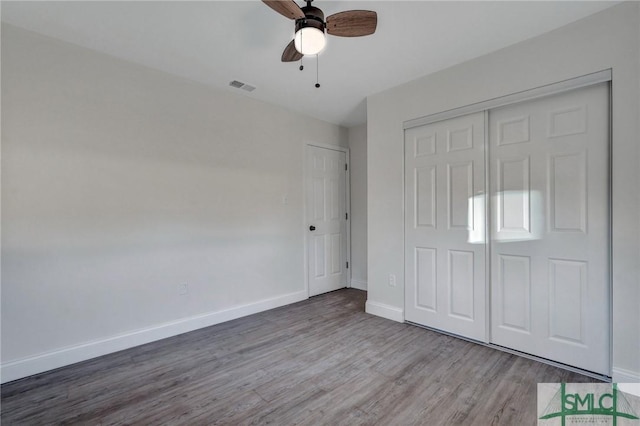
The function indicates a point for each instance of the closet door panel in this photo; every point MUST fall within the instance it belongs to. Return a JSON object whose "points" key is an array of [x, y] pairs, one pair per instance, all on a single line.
{"points": [[444, 226], [549, 218]]}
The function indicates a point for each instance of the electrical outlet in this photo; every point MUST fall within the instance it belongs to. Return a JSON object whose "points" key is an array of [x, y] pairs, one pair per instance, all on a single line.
{"points": [[183, 289], [392, 280]]}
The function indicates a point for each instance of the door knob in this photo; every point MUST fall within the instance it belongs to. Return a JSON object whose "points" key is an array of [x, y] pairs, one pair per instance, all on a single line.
{"points": [[312, 228]]}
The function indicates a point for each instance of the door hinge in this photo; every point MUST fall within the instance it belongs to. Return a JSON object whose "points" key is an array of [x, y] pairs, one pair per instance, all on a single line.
{"points": [[346, 167], [347, 265], [346, 216]]}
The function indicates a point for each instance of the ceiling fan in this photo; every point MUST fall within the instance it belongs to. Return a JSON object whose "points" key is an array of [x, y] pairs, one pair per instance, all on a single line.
{"points": [[310, 26]]}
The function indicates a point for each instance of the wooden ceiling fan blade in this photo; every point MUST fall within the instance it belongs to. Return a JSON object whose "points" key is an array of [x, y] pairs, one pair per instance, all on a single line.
{"points": [[352, 23], [290, 53], [287, 8]]}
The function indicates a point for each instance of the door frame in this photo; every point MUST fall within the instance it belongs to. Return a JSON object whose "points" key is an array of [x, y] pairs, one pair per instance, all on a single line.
{"points": [[603, 76], [526, 95], [305, 215]]}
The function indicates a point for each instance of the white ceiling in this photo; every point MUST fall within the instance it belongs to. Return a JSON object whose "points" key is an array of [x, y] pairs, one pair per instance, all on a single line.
{"points": [[214, 42]]}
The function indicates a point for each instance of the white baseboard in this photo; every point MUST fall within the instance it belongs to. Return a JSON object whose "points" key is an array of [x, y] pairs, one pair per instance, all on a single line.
{"points": [[621, 375], [385, 311], [25, 367], [360, 285]]}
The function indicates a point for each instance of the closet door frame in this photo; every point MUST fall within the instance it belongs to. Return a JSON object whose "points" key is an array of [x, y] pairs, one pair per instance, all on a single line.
{"points": [[604, 76], [539, 92]]}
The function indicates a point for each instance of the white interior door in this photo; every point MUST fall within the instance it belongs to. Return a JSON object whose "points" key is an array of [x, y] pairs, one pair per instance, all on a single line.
{"points": [[549, 242], [444, 226], [326, 211]]}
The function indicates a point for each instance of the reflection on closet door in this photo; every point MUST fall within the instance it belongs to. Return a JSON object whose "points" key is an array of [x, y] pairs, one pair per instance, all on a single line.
{"points": [[444, 226], [549, 218]]}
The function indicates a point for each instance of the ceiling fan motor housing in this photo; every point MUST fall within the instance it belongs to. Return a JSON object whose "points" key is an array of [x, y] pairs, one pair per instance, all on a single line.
{"points": [[314, 17]]}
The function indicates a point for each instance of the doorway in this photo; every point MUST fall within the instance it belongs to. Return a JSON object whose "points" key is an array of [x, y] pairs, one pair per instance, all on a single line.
{"points": [[327, 219]]}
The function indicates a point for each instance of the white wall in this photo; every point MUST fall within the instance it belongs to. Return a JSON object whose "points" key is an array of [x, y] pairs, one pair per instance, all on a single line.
{"points": [[119, 183], [609, 39], [358, 177]]}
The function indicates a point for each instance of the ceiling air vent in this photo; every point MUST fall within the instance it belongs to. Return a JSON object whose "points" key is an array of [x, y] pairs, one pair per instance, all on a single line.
{"points": [[240, 85]]}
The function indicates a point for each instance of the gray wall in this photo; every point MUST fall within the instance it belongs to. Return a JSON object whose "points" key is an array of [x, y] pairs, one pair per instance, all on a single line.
{"points": [[358, 175], [121, 183], [609, 39]]}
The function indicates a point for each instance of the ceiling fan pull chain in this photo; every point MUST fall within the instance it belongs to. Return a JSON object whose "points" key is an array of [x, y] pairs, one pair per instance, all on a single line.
{"points": [[317, 71], [302, 57]]}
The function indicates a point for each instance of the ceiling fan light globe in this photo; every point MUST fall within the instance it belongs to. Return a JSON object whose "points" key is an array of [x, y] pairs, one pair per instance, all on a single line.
{"points": [[309, 41]]}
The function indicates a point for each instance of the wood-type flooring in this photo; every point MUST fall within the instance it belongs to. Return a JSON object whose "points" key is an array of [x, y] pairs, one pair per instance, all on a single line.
{"points": [[323, 361]]}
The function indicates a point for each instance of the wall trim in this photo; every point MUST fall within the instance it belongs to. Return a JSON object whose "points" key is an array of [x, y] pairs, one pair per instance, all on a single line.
{"points": [[385, 311], [620, 375], [359, 284], [25, 367]]}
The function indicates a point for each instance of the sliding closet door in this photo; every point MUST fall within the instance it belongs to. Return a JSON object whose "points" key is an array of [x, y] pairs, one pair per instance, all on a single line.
{"points": [[444, 226], [549, 216]]}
